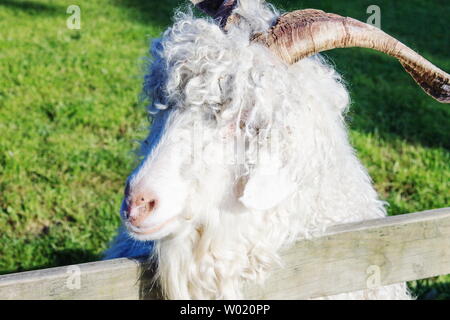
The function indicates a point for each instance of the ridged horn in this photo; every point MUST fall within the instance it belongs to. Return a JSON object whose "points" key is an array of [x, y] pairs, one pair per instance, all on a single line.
{"points": [[302, 33]]}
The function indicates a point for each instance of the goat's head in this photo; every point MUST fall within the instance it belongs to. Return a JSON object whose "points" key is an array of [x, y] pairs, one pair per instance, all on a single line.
{"points": [[213, 148]]}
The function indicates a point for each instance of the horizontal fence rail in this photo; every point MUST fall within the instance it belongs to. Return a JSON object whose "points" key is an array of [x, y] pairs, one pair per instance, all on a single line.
{"points": [[347, 258]]}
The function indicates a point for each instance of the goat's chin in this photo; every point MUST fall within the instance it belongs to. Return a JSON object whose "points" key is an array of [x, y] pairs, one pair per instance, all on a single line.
{"points": [[156, 232]]}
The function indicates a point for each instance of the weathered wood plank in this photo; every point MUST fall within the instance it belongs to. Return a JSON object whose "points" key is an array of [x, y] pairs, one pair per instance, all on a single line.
{"points": [[401, 248], [347, 258], [113, 279]]}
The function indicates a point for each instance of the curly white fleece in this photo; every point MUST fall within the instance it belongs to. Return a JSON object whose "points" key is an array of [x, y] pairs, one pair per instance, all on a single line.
{"points": [[201, 74]]}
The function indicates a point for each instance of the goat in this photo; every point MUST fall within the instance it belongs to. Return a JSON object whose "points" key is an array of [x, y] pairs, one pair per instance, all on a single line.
{"points": [[248, 151]]}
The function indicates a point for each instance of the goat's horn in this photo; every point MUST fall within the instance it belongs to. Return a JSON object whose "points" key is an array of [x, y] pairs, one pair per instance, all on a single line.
{"points": [[302, 33]]}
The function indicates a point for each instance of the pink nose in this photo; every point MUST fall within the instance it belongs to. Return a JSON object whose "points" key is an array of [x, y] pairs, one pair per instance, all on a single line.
{"points": [[140, 206]]}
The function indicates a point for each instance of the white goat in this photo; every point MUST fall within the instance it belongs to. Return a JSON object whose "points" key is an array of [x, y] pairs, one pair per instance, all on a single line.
{"points": [[246, 155]]}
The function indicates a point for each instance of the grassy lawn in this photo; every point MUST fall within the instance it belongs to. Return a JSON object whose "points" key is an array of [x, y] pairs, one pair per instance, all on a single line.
{"points": [[70, 117]]}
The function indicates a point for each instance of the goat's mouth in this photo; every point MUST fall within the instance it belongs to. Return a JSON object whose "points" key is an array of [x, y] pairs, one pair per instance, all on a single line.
{"points": [[143, 231]]}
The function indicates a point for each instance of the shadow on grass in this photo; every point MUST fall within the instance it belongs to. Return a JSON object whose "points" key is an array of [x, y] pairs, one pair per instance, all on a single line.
{"points": [[60, 258], [387, 101], [33, 7], [430, 289], [156, 13]]}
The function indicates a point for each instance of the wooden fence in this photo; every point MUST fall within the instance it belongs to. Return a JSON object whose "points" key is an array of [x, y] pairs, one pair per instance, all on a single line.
{"points": [[349, 257]]}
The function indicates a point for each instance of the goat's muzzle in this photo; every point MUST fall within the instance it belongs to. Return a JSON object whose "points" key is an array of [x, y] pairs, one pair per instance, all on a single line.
{"points": [[138, 206]]}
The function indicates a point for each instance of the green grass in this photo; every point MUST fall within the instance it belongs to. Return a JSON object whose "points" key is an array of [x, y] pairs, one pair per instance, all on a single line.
{"points": [[69, 118]]}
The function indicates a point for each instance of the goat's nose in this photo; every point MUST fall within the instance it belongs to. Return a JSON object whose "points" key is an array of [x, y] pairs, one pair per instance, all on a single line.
{"points": [[140, 207]]}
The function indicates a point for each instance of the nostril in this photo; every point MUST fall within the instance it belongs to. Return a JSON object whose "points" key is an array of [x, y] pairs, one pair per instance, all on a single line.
{"points": [[147, 201], [151, 205], [140, 206]]}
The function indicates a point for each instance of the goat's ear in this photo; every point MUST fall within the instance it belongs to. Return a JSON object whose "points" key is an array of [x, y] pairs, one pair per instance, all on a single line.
{"points": [[264, 190]]}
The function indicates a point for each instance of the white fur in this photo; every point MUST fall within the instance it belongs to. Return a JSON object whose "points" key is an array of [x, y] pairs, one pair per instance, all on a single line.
{"points": [[293, 175]]}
